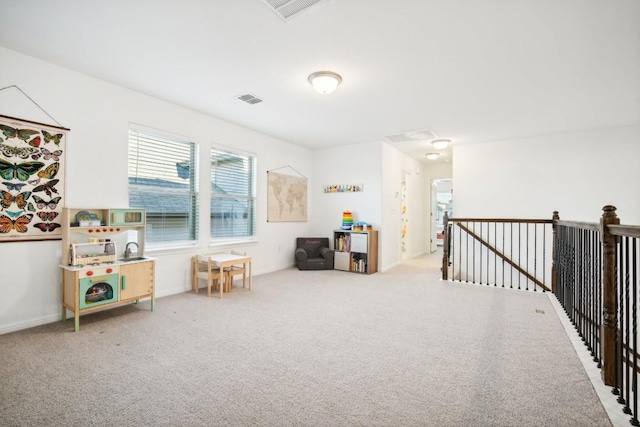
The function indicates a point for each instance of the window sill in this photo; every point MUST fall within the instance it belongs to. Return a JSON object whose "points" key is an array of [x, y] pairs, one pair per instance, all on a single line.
{"points": [[223, 244]]}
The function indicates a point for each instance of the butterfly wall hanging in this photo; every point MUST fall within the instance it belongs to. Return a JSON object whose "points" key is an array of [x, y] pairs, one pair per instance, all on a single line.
{"points": [[32, 179], [46, 154], [23, 134], [47, 187], [22, 152], [52, 138], [13, 186], [19, 224], [20, 171], [9, 199]]}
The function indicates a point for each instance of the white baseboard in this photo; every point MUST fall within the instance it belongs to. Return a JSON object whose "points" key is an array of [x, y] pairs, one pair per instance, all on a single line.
{"points": [[18, 326], [388, 267]]}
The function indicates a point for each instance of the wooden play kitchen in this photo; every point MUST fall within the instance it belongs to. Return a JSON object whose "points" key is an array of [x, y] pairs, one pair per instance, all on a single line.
{"points": [[94, 274]]}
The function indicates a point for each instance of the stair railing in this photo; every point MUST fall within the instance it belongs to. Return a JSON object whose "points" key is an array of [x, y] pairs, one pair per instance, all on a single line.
{"points": [[498, 252], [594, 273]]}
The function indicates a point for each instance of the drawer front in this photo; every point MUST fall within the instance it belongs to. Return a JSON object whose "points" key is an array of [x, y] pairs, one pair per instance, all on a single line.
{"points": [[359, 242], [341, 261]]}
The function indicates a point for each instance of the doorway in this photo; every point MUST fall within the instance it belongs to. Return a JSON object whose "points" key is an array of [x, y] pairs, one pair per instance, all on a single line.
{"points": [[441, 202]]}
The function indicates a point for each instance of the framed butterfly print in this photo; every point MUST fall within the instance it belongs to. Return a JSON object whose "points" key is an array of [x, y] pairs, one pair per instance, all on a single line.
{"points": [[32, 179]]}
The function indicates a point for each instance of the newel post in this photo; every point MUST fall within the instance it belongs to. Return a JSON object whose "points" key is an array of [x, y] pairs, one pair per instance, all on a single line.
{"points": [[554, 256], [445, 247], [609, 300]]}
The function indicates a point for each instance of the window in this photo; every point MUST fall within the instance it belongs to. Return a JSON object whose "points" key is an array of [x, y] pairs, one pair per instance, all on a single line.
{"points": [[162, 179], [233, 194]]}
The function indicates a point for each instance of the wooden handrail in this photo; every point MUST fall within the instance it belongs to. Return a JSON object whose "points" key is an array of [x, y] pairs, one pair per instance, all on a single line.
{"points": [[593, 226], [524, 221], [624, 230]]}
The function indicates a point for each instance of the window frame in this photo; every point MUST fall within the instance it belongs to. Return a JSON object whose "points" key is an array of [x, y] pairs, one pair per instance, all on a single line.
{"points": [[250, 196], [192, 192]]}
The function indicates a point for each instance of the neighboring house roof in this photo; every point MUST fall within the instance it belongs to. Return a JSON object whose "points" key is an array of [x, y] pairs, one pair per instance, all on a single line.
{"points": [[158, 195]]}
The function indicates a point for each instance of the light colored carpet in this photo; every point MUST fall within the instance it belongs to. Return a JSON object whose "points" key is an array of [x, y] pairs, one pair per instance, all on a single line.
{"points": [[306, 348]]}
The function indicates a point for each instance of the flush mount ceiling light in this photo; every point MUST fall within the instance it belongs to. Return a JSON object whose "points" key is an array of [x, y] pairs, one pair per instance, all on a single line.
{"points": [[432, 156], [325, 82], [440, 144]]}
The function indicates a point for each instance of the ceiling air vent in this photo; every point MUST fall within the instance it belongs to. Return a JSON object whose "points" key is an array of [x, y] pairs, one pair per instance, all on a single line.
{"points": [[286, 9], [419, 135], [249, 98]]}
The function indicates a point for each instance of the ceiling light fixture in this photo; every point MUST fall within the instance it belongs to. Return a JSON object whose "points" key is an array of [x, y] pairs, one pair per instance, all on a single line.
{"points": [[440, 144], [432, 156], [325, 82]]}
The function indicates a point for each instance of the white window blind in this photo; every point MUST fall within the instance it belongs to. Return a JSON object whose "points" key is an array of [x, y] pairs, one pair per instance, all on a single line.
{"points": [[233, 194], [162, 179]]}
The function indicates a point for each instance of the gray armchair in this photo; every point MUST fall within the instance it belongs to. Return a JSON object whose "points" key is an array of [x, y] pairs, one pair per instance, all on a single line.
{"points": [[313, 253]]}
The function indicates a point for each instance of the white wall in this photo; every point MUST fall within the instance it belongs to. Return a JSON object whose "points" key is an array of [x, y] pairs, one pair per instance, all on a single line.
{"points": [[351, 164], [397, 167], [382, 169], [98, 114], [575, 174]]}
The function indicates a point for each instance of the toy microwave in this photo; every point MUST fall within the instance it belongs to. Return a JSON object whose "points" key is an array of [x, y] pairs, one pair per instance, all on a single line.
{"points": [[127, 217]]}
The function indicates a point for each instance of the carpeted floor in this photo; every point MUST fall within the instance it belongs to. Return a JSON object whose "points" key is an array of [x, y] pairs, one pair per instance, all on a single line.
{"points": [[306, 348]]}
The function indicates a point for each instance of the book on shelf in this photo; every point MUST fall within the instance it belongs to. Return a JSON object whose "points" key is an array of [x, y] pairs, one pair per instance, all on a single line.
{"points": [[343, 243], [359, 265]]}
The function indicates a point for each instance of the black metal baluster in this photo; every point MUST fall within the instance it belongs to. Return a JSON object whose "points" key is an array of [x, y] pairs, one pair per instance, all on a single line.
{"points": [[597, 309], [504, 250], [495, 257], [565, 271], [617, 386], [473, 254], [584, 309], [570, 272], [511, 267], [467, 257], [558, 244], [460, 256], [634, 311], [525, 249], [545, 229], [619, 348], [567, 264], [625, 250], [572, 276], [568, 283], [482, 252], [519, 256], [535, 255], [452, 248], [581, 297], [590, 292], [495, 244], [598, 275]]}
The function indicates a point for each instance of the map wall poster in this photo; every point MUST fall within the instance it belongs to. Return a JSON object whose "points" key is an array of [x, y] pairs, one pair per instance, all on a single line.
{"points": [[286, 198], [32, 184]]}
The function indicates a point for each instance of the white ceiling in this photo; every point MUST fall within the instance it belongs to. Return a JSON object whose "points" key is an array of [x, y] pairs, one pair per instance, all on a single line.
{"points": [[467, 70]]}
